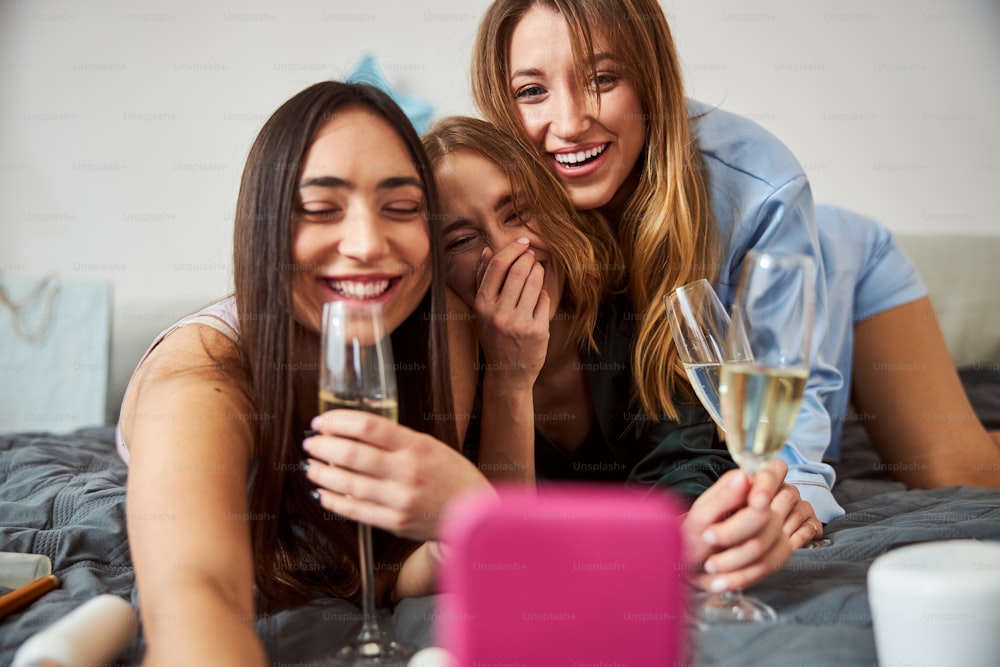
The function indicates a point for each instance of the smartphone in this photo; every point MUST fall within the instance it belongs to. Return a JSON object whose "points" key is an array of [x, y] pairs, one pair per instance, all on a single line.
{"points": [[567, 574]]}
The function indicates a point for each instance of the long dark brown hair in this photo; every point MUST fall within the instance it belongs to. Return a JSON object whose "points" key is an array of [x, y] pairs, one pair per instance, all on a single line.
{"points": [[302, 552]]}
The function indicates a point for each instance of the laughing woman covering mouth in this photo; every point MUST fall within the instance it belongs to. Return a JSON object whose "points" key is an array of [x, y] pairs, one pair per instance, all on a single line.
{"points": [[554, 374], [334, 204]]}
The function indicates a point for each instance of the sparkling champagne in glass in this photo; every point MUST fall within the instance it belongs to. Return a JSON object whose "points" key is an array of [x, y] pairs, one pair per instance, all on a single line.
{"points": [[357, 373], [699, 324], [764, 373]]}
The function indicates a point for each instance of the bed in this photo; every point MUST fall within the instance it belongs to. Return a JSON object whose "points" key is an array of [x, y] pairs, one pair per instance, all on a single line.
{"points": [[64, 496]]}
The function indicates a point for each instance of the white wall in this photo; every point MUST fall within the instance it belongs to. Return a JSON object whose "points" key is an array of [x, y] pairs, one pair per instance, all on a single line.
{"points": [[124, 123]]}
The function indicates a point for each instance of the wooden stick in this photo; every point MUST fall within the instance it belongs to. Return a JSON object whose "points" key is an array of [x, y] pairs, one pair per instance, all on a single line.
{"points": [[27, 594]]}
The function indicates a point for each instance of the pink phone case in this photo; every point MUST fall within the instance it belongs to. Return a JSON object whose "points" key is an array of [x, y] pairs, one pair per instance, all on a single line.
{"points": [[575, 575]]}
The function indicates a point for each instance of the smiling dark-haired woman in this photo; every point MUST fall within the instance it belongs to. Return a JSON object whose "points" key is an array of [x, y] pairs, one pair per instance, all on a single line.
{"points": [[224, 520]]}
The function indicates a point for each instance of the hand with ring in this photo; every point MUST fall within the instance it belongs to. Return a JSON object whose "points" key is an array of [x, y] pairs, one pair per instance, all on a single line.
{"points": [[800, 524]]}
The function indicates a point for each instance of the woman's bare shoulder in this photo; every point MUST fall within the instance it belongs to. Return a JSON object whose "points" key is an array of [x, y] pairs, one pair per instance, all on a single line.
{"points": [[196, 374]]}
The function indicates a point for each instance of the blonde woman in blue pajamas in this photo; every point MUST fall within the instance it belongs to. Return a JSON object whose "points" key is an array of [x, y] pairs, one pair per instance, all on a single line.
{"points": [[596, 87]]}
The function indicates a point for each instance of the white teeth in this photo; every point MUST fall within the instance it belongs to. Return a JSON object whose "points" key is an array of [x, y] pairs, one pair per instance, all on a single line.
{"points": [[359, 290], [579, 156]]}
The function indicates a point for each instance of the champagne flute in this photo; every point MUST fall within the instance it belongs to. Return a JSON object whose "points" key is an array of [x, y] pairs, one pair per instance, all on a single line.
{"points": [[699, 323], [772, 318], [356, 373]]}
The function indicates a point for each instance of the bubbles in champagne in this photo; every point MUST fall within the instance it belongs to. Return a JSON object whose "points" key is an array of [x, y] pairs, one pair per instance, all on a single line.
{"points": [[385, 407], [759, 404]]}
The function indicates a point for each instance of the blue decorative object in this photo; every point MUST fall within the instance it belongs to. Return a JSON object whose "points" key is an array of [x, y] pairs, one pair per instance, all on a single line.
{"points": [[417, 110]]}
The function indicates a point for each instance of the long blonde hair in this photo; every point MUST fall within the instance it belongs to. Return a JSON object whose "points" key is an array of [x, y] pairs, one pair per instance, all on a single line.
{"points": [[580, 241], [666, 231]]}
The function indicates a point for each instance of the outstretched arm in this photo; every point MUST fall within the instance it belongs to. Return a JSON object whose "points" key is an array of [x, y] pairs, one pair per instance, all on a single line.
{"points": [[187, 518]]}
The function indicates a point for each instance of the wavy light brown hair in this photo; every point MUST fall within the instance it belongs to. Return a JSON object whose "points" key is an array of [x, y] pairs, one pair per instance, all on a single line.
{"points": [[580, 241], [666, 230], [304, 552]]}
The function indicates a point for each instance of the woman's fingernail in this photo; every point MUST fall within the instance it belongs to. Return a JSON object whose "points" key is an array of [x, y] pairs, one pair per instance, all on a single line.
{"points": [[304, 465], [709, 537], [314, 494], [524, 240], [710, 567], [759, 501], [720, 584], [307, 444]]}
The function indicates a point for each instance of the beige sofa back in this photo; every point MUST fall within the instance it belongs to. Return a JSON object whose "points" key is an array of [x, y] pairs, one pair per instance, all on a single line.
{"points": [[962, 274]]}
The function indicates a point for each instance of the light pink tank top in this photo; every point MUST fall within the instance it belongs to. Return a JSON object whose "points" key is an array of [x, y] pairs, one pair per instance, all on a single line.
{"points": [[220, 315]]}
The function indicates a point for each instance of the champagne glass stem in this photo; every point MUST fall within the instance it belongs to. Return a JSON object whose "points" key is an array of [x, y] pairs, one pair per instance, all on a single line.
{"points": [[731, 597], [356, 373], [369, 623]]}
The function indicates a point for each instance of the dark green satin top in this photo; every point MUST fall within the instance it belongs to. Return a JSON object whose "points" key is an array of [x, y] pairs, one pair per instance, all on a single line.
{"points": [[625, 445]]}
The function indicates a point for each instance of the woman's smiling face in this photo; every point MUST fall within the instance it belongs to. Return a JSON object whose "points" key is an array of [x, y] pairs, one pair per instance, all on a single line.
{"points": [[592, 138], [480, 211], [360, 224]]}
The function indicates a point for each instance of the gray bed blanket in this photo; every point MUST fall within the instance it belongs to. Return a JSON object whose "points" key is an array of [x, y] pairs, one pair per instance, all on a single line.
{"points": [[64, 496]]}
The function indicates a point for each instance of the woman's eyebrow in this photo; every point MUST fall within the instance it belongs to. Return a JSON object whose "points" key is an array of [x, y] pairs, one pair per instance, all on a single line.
{"points": [[461, 221], [530, 71], [325, 182], [385, 184], [599, 58], [503, 201], [458, 223], [399, 182]]}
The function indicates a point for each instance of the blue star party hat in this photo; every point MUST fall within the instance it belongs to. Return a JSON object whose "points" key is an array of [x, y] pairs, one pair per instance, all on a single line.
{"points": [[417, 110]]}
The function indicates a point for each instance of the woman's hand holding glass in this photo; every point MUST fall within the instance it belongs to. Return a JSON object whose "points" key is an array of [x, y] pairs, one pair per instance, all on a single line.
{"points": [[765, 366], [766, 369], [732, 535], [735, 508], [371, 469], [357, 374], [700, 325]]}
